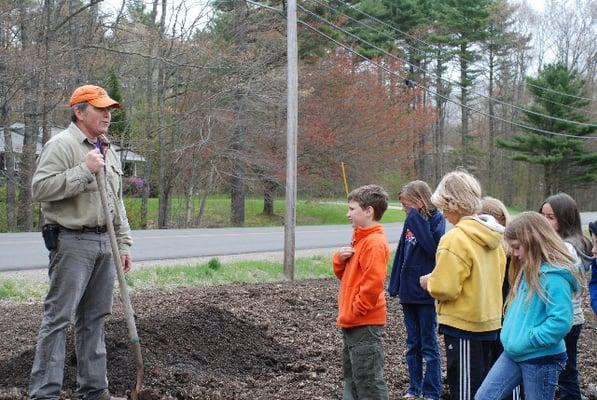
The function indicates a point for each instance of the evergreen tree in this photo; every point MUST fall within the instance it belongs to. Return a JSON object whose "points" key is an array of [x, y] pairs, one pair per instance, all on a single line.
{"points": [[567, 162], [119, 127], [465, 23]]}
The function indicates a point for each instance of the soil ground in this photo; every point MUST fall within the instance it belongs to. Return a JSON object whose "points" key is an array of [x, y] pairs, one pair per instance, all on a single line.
{"points": [[245, 341]]}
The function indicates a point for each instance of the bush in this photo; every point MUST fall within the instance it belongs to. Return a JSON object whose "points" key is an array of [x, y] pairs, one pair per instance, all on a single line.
{"points": [[133, 186], [214, 264]]}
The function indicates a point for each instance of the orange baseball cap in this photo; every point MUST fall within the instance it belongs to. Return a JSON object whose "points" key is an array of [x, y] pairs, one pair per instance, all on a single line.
{"points": [[94, 95]]}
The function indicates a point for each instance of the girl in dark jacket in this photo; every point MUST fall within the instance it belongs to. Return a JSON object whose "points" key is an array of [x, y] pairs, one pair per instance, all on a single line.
{"points": [[423, 228]]}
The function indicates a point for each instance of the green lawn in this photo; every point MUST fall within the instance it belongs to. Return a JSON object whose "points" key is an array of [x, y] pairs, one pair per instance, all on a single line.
{"points": [[213, 272], [217, 212]]}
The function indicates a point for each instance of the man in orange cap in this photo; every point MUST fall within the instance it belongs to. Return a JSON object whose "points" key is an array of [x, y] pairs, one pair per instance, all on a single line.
{"points": [[81, 268]]}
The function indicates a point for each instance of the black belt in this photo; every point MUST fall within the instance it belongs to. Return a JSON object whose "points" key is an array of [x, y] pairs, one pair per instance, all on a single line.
{"points": [[90, 229]]}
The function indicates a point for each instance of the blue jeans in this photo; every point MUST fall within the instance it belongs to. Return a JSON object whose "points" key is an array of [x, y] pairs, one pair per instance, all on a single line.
{"points": [[421, 343], [568, 381], [539, 380]]}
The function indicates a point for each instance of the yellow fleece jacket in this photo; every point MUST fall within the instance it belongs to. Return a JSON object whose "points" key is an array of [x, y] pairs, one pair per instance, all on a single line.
{"points": [[361, 298], [467, 279]]}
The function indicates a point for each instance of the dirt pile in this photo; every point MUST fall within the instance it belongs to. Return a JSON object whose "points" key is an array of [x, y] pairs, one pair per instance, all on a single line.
{"points": [[265, 341]]}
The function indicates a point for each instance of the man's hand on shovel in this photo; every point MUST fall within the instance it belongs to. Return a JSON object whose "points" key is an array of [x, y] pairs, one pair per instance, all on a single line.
{"points": [[94, 161]]}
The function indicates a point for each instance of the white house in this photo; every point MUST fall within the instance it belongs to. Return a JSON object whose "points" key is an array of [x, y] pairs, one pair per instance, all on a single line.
{"points": [[130, 159]]}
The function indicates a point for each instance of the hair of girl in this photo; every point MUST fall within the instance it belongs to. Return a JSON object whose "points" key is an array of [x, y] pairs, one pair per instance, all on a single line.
{"points": [[458, 192], [566, 212], [541, 244], [495, 208], [419, 192]]}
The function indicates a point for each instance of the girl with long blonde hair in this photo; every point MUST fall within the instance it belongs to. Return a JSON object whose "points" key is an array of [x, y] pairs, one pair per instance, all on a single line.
{"points": [[539, 311]]}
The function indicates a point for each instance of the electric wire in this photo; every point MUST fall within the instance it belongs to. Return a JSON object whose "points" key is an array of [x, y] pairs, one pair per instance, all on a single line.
{"points": [[579, 110], [351, 50], [431, 45], [432, 74]]}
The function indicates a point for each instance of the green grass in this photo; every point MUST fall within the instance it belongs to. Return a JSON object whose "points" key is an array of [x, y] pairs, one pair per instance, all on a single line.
{"points": [[21, 290], [213, 272], [217, 212], [216, 273]]}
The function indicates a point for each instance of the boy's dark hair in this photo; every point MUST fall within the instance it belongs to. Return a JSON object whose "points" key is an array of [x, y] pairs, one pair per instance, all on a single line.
{"points": [[371, 195]]}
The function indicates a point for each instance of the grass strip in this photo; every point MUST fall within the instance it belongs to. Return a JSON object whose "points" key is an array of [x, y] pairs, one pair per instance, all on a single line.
{"points": [[213, 272]]}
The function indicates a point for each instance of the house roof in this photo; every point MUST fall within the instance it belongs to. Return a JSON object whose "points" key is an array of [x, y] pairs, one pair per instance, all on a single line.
{"points": [[17, 135]]}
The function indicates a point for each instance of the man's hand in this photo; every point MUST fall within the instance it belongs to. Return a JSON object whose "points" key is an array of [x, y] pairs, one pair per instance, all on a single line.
{"points": [[94, 161], [127, 263]]}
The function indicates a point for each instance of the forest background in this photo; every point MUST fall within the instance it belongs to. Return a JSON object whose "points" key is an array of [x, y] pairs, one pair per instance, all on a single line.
{"points": [[394, 89]]}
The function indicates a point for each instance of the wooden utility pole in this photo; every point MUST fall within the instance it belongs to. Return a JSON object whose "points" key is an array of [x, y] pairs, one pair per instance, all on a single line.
{"points": [[292, 122]]}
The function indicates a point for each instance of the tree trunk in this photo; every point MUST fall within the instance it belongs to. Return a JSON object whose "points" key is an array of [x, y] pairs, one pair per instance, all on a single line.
{"points": [[164, 189], [269, 193], [189, 204], [30, 114], [464, 129], [147, 168], [491, 139], [440, 126], [206, 195], [238, 145], [11, 194]]}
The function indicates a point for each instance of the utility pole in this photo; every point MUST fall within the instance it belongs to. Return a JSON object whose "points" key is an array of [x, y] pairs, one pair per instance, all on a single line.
{"points": [[292, 122]]}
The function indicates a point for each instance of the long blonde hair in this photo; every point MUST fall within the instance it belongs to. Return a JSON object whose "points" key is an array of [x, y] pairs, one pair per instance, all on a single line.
{"points": [[541, 244], [419, 192]]}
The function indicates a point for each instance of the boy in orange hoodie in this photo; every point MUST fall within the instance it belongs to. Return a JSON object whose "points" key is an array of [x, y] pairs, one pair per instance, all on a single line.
{"points": [[362, 269]]}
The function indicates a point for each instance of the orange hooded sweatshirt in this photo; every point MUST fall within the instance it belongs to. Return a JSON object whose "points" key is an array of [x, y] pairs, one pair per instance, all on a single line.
{"points": [[361, 299]]}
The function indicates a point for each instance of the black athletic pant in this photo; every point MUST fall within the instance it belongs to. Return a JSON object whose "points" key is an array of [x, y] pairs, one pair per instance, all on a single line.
{"points": [[467, 362]]}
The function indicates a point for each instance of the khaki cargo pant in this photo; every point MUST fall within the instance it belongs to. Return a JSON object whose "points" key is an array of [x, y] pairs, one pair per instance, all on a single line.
{"points": [[363, 363]]}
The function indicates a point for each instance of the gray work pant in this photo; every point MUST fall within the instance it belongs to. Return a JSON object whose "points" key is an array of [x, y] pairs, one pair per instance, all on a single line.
{"points": [[81, 284], [363, 363]]}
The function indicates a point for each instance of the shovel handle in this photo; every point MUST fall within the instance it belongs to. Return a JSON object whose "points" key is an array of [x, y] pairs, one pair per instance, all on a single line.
{"points": [[124, 291]]}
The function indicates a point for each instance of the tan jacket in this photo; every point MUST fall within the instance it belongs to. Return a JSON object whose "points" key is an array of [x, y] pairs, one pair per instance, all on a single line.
{"points": [[68, 191]]}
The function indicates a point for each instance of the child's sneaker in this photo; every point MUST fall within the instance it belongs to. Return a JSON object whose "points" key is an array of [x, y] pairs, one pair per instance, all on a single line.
{"points": [[410, 396]]}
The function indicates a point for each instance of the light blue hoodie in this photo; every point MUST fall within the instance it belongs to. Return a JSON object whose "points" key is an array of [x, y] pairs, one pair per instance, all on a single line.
{"points": [[535, 328]]}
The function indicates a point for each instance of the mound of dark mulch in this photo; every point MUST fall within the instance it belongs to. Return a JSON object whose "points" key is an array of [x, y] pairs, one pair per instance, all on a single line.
{"points": [[262, 341]]}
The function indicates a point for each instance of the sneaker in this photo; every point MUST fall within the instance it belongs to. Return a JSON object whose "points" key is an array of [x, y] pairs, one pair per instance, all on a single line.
{"points": [[410, 396]]}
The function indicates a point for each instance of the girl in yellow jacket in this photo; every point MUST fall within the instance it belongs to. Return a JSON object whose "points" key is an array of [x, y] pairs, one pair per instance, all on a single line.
{"points": [[467, 283]]}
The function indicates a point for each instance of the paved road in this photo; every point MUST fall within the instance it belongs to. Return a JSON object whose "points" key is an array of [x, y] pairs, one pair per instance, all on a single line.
{"points": [[21, 251]]}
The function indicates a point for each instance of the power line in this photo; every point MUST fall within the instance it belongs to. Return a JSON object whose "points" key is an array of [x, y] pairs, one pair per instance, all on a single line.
{"points": [[351, 50], [430, 73], [431, 45]]}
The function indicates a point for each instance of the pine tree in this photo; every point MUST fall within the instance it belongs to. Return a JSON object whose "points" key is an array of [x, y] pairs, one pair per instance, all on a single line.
{"points": [[567, 162], [119, 127]]}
